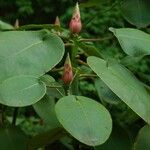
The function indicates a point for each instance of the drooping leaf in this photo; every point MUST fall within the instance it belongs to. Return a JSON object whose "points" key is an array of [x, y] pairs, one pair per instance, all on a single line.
{"points": [[143, 139], [28, 53], [122, 82], [136, 12], [86, 120], [21, 91], [133, 41], [12, 139]]}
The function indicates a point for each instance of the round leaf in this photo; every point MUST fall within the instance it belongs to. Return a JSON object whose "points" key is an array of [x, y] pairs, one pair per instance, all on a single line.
{"points": [[142, 142], [85, 119], [124, 85], [12, 139], [28, 53], [21, 91]]}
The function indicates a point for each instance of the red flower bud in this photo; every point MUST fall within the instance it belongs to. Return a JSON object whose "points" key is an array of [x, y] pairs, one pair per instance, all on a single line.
{"points": [[68, 73], [75, 23]]}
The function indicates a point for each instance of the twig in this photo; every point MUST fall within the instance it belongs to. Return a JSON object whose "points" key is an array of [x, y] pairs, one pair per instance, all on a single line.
{"points": [[96, 39], [82, 62], [87, 75], [15, 116]]}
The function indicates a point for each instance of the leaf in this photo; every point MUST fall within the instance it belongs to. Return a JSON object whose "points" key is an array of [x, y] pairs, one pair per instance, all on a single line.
{"points": [[105, 93], [90, 3], [85, 119], [21, 91], [119, 140], [143, 138], [122, 82], [5, 26], [12, 139], [45, 138], [55, 90], [134, 42], [28, 53], [46, 110], [89, 49], [136, 12]]}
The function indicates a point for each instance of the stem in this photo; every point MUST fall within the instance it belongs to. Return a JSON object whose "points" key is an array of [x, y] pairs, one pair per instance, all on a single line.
{"points": [[88, 75], [15, 116], [57, 69], [82, 62], [68, 44], [96, 39]]}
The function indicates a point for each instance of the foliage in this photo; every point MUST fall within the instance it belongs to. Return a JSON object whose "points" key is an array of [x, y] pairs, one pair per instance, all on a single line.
{"points": [[104, 104]]}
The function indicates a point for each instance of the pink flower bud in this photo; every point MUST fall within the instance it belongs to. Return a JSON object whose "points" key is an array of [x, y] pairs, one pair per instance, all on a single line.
{"points": [[68, 73], [75, 23], [57, 21], [16, 25]]}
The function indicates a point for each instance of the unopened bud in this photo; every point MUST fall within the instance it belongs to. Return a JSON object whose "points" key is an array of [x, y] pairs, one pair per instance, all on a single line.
{"points": [[68, 73], [75, 23], [16, 25], [57, 21]]}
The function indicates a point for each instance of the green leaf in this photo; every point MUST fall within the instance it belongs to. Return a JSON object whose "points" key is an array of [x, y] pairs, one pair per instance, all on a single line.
{"points": [[55, 90], [90, 3], [134, 42], [136, 12], [89, 49], [45, 138], [46, 110], [105, 93], [12, 139], [86, 120], [28, 53], [5, 26], [119, 140], [21, 91], [122, 82], [143, 138]]}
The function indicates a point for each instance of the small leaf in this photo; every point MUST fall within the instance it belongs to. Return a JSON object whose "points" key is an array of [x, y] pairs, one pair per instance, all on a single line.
{"points": [[136, 12], [86, 120], [143, 138], [12, 138], [122, 82], [21, 91], [134, 42]]}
